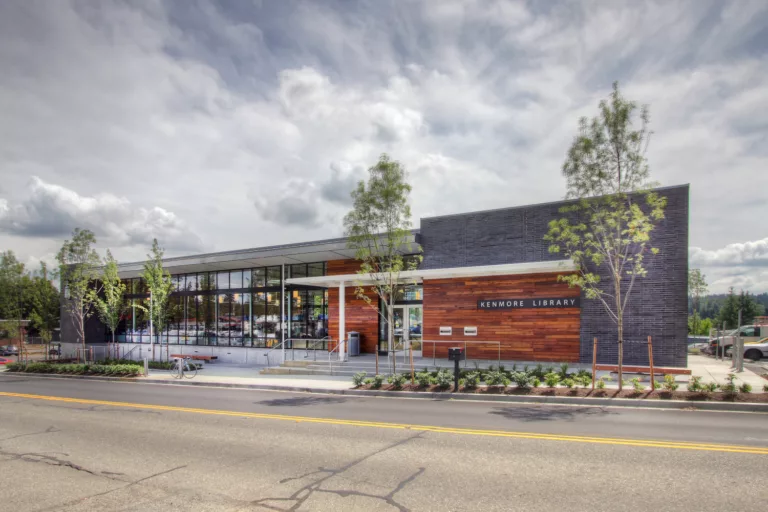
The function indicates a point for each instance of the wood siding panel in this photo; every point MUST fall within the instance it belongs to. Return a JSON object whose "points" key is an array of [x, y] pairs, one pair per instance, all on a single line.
{"points": [[524, 334], [359, 316]]}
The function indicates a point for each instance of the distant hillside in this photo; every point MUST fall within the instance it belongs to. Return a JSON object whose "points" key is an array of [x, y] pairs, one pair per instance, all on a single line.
{"points": [[711, 304]]}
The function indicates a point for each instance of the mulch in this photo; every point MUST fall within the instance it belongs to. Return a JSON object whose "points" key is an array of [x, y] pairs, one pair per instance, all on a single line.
{"points": [[598, 393]]}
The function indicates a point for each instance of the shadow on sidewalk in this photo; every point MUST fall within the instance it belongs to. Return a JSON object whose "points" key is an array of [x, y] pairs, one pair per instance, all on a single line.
{"points": [[301, 401]]}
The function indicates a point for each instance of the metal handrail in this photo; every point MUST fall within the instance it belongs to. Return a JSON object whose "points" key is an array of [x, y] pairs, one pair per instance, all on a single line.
{"points": [[293, 349], [330, 354]]}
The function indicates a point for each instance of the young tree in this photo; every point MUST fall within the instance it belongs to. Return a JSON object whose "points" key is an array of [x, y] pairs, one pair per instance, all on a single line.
{"points": [[110, 304], [378, 227], [12, 297], [78, 262], [44, 303], [697, 286], [159, 285], [607, 231]]}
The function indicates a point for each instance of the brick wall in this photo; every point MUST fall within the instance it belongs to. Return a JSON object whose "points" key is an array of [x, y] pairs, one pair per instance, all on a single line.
{"points": [[658, 303]]}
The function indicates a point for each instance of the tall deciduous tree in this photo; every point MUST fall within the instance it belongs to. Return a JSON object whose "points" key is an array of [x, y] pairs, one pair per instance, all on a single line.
{"points": [[378, 227], [697, 286], [12, 284], [44, 303], [608, 229], [159, 285], [78, 264], [110, 303]]}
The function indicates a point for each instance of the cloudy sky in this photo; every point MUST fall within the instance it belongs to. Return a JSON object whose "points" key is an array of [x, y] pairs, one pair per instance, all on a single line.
{"points": [[216, 125]]}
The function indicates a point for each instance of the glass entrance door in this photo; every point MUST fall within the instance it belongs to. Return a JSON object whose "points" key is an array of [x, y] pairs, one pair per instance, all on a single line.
{"points": [[408, 323]]}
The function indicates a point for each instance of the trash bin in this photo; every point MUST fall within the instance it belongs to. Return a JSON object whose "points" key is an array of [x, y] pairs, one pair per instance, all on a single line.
{"points": [[353, 342]]}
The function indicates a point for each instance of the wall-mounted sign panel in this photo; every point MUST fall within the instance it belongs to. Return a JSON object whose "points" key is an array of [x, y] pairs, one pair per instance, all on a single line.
{"points": [[446, 331], [557, 303], [470, 331]]}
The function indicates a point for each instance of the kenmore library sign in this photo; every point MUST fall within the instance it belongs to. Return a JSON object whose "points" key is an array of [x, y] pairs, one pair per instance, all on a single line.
{"points": [[570, 302]]}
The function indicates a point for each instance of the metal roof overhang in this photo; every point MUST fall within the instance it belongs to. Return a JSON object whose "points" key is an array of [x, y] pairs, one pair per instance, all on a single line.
{"points": [[418, 276], [307, 252]]}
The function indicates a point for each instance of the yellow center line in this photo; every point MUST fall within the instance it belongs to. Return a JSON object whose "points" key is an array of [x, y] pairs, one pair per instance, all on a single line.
{"points": [[646, 443]]}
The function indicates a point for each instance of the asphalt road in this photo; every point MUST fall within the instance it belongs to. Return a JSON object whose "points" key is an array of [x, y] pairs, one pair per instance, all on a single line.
{"points": [[90, 445]]}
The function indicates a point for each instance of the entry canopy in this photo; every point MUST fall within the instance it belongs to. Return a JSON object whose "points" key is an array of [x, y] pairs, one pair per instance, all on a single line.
{"points": [[418, 276]]}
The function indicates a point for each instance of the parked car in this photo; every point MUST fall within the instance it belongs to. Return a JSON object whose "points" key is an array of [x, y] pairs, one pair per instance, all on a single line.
{"points": [[55, 349], [9, 350], [756, 350], [749, 333]]}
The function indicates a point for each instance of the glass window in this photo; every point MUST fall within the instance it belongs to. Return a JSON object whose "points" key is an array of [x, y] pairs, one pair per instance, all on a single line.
{"points": [[176, 313], [259, 318], [188, 333], [246, 278], [273, 276], [298, 314], [222, 281], [316, 269], [298, 270], [191, 282], [140, 286], [209, 314], [141, 325], [259, 277], [224, 318], [236, 326], [272, 324], [236, 279], [247, 318]]}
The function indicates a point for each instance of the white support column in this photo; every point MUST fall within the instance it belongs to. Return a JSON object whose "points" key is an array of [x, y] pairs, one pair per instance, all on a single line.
{"points": [[342, 327]]}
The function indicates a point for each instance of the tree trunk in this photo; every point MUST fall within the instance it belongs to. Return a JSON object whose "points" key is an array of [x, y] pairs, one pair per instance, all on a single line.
{"points": [[391, 335], [620, 325], [114, 346]]}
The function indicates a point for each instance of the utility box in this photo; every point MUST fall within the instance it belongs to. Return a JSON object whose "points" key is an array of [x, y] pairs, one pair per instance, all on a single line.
{"points": [[456, 354], [353, 343]]}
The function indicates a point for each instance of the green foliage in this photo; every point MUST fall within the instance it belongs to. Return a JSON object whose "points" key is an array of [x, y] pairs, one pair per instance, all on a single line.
{"points": [[669, 383], [765, 388], [378, 229], [745, 387], [358, 379], [563, 371], [159, 285], [522, 379], [698, 326], [730, 386], [110, 303], [472, 380], [711, 387], [368, 381], [569, 383], [397, 380], [538, 372], [497, 378], [78, 262], [729, 312], [697, 286], [535, 382], [552, 379], [423, 379], [695, 385], [582, 379], [600, 384], [377, 381], [636, 384], [118, 370], [444, 379]]}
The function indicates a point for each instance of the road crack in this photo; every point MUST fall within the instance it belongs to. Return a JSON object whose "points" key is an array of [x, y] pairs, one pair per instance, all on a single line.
{"points": [[299, 497]]}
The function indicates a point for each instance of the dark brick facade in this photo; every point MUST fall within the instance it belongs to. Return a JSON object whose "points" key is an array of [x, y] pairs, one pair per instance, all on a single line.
{"points": [[658, 303]]}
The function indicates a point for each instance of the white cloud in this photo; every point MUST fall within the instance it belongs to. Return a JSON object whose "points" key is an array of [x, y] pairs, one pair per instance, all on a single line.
{"points": [[54, 211], [253, 122], [740, 265]]}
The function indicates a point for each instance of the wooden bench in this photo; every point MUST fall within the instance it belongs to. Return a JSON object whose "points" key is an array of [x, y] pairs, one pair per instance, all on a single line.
{"points": [[661, 370], [207, 359]]}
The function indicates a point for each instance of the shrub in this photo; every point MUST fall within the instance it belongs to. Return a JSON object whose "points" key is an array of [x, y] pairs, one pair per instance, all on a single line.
{"points": [[730, 386], [522, 379], [746, 387], [497, 378], [423, 379], [377, 381], [600, 383], [568, 382], [637, 385], [15, 367], [669, 383], [585, 374], [471, 380], [358, 379], [397, 380], [695, 385], [765, 388], [538, 372], [563, 371], [368, 381], [444, 379], [552, 379], [711, 387], [535, 382], [583, 380]]}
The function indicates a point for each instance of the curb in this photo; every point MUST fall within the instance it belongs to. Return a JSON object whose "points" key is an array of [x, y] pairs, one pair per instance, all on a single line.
{"points": [[526, 399]]}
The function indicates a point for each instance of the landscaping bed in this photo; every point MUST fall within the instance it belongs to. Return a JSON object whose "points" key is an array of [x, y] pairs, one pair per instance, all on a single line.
{"points": [[585, 393], [113, 370]]}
